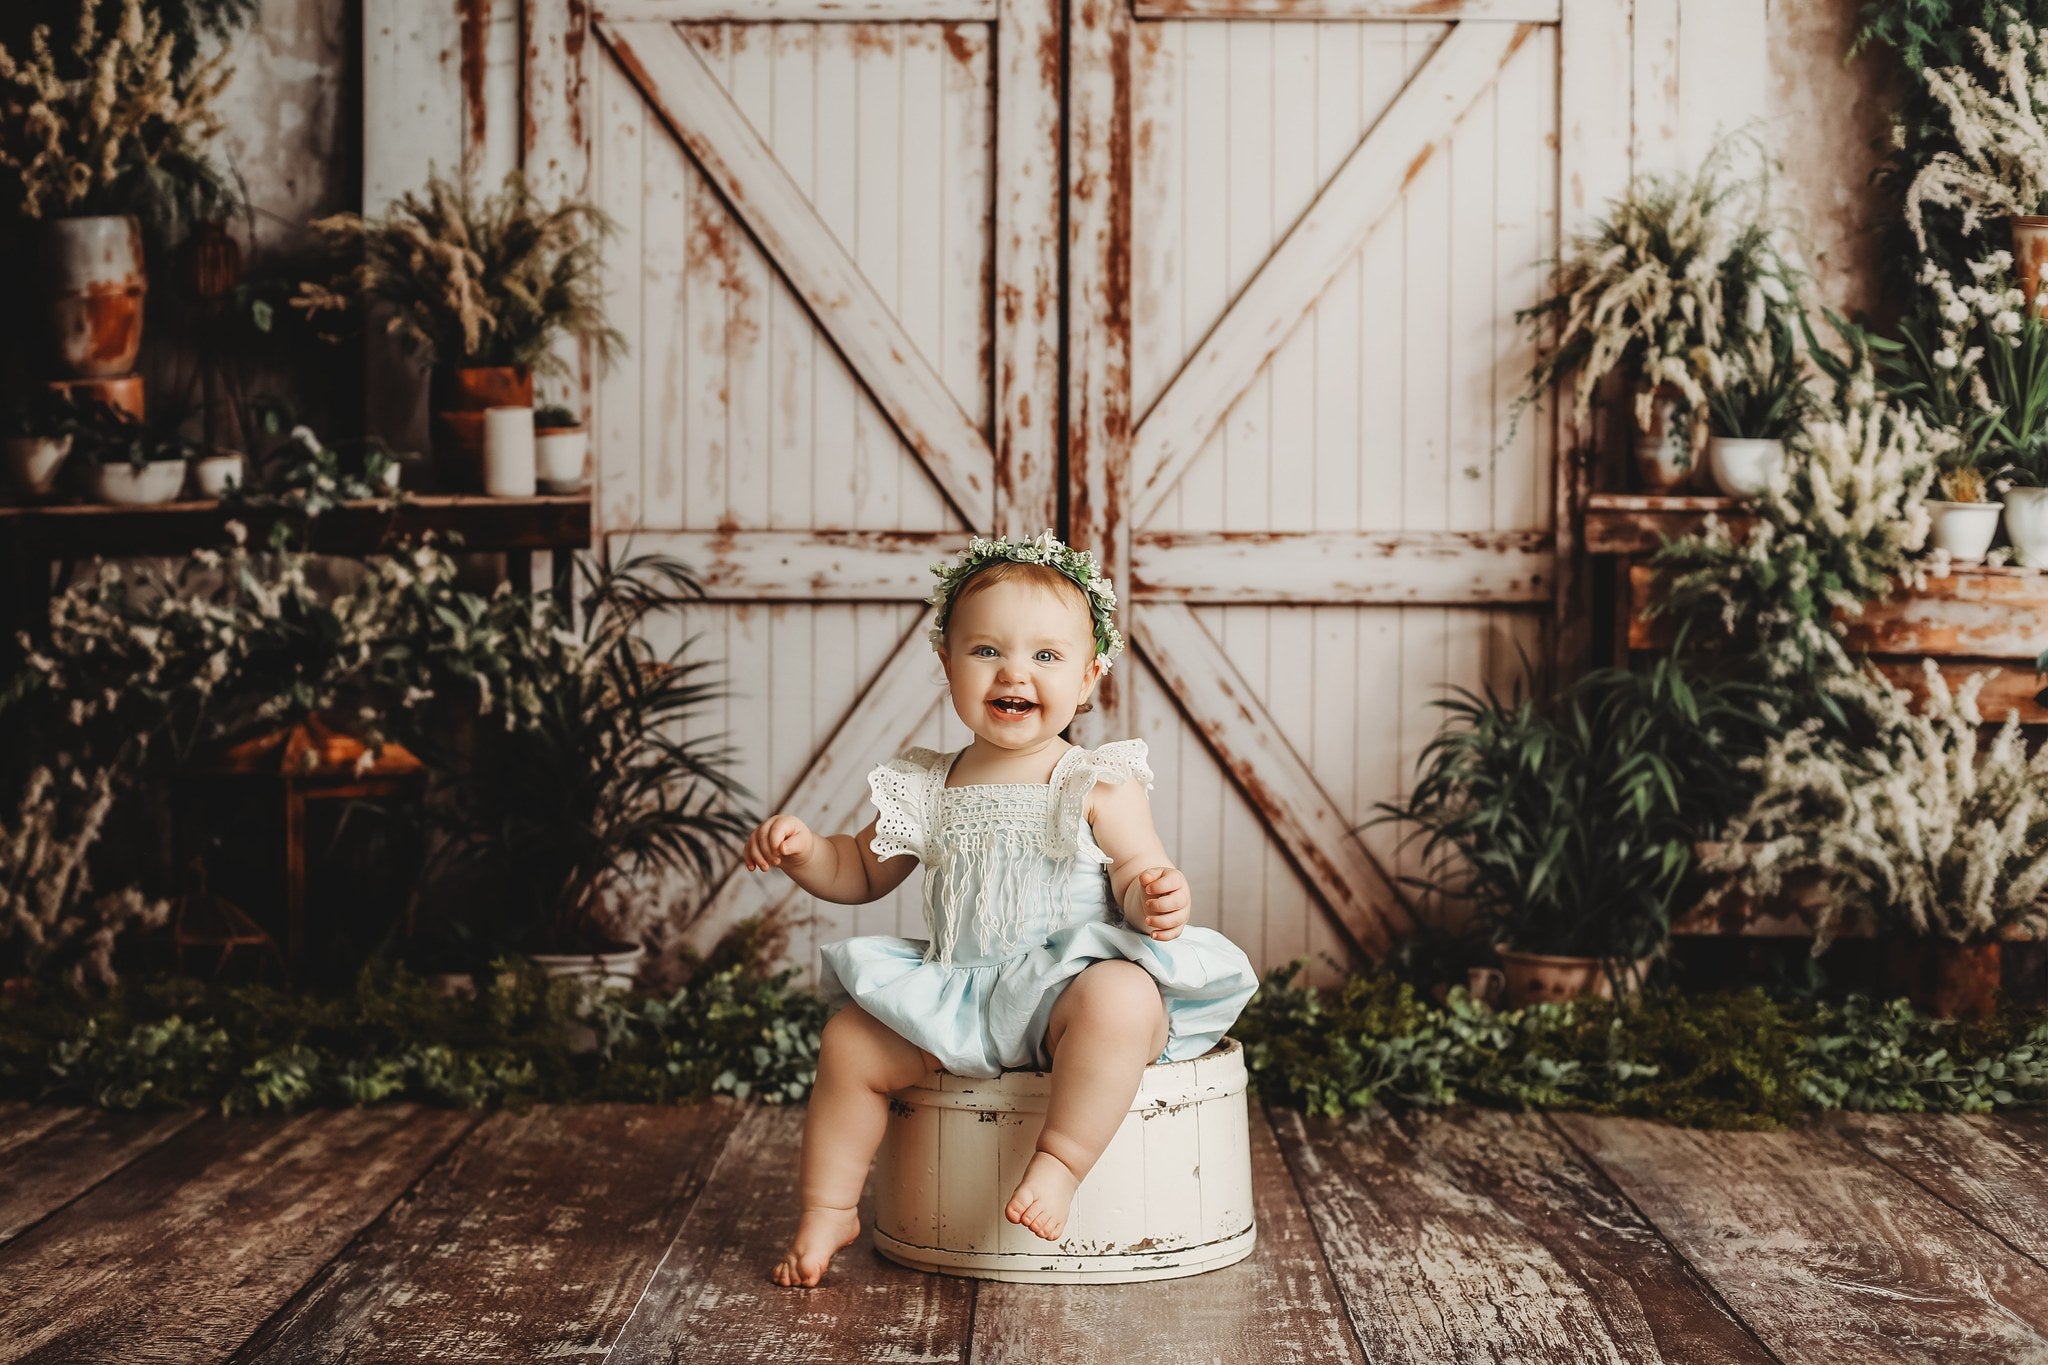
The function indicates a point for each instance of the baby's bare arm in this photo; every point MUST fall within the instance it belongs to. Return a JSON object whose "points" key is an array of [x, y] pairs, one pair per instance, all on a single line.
{"points": [[1148, 888], [841, 868]]}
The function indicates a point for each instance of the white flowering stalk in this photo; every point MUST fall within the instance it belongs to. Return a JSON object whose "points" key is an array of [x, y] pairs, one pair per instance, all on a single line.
{"points": [[1683, 273], [48, 909], [1839, 523], [2000, 165], [1921, 829]]}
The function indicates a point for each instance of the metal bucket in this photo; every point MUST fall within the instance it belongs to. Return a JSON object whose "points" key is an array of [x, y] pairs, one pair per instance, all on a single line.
{"points": [[1171, 1195], [90, 271]]}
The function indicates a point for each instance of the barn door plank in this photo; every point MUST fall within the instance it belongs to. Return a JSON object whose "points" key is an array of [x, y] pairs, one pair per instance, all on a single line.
{"points": [[1826, 1254], [702, 116], [1476, 1235], [712, 1302], [532, 1242], [1406, 138], [1277, 1305], [1279, 786], [185, 1251], [54, 1154], [1991, 1167]]}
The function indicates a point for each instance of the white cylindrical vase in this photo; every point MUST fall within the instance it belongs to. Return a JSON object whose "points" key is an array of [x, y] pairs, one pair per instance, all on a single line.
{"points": [[508, 452], [1171, 1195], [2026, 525]]}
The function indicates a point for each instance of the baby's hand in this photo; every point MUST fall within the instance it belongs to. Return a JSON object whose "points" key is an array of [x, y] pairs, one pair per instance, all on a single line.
{"points": [[779, 839], [1166, 902]]}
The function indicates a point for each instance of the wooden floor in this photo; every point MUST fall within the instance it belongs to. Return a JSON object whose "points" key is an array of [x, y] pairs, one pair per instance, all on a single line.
{"points": [[625, 1233]]}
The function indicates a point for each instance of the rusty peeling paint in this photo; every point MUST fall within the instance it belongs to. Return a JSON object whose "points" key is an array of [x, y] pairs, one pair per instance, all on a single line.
{"points": [[957, 44], [873, 38], [1415, 167], [475, 18]]}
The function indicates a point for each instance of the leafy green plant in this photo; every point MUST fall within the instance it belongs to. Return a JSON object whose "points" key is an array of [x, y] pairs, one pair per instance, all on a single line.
{"points": [[1570, 825], [553, 416], [1763, 392], [107, 435], [40, 412], [568, 815], [463, 279]]}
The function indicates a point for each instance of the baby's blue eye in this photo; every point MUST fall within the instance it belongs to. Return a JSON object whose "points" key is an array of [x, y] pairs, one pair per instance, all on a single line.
{"points": [[1048, 655]]}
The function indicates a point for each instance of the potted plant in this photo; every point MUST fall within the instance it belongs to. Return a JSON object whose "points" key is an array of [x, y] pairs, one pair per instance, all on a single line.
{"points": [[1995, 158], [36, 432], [98, 142], [561, 450], [128, 462], [1570, 825], [479, 288], [1761, 398], [567, 823], [1909, 820], [1680, 272]]}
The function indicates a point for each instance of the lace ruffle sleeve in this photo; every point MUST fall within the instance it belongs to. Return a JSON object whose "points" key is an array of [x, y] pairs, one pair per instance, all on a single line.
{"points": [[901, 789], [1123, 760]]}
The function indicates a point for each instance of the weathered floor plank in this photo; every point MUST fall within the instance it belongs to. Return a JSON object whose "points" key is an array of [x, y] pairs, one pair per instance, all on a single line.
{"points": [[1277, 1306], [1992, 1168], [712, 1301], [1825, 1252], [532, 1242], [48, 1162], [178, 1256], [1475, 1235]]}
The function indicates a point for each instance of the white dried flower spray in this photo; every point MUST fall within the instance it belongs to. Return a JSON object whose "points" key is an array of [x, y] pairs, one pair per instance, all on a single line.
{"points": [[2000, 165]]}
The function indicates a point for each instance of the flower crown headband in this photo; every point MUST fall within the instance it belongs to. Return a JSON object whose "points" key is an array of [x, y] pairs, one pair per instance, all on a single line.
{"points": [[1078, 565]]}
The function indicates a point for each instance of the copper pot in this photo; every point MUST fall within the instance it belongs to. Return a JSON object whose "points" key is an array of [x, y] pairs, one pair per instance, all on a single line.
{"points": [[90, 274]]}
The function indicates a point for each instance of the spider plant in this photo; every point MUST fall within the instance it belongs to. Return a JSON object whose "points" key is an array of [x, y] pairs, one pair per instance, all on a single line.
{"points": [[569, 814], [1763, 394], [1570, 824]]}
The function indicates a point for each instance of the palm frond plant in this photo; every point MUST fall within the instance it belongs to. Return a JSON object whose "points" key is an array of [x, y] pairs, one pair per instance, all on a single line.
{"points": [[469, 279], [1681, 272], [1570, 824], [569, 818]]}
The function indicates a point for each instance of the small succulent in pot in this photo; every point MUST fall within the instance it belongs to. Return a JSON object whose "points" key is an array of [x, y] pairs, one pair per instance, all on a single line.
{"points": [[555, 417]]}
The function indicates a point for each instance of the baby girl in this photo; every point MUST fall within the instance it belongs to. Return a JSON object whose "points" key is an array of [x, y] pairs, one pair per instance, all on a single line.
{"points": [[1059, 927]]}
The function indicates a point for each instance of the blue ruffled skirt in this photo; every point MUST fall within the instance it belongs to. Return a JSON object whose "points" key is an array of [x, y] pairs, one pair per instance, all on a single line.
{"points": [[984, 1020]]}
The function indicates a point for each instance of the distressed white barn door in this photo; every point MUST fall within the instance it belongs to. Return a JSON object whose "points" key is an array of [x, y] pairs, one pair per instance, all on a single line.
{"points": [[838, 274], [1299, 235]]}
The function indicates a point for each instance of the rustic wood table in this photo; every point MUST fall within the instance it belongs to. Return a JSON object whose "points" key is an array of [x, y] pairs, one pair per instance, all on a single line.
{"points": [[628, 1233]]}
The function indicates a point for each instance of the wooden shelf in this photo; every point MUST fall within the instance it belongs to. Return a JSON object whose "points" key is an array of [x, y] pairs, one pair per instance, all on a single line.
{"points": [[1640, 523], [82, 530]]}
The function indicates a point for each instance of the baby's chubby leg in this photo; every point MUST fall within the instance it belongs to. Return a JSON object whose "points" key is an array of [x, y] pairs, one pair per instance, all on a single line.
{"points": [[1105, 1028], [861, 1062]]}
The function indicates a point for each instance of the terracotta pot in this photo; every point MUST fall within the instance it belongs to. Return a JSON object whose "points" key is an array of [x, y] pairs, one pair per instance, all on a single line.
{"points": [[1963, 979], [124, 393], [89, 272], [458, 398], [1664, 453], [1533, 978], [2030, 254]]}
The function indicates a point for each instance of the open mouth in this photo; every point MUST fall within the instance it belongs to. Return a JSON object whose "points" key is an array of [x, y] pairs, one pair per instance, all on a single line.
{"points": [[1012, 707]]}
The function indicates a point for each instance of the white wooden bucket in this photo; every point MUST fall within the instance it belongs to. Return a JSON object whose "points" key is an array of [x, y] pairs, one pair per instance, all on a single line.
{"points": [[1171, 1196]]}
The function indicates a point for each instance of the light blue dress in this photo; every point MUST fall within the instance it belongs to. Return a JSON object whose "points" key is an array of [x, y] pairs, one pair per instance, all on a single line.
{"points": [[1017, 902]]}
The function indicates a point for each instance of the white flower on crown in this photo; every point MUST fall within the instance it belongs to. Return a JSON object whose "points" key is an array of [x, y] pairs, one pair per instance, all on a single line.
{"points": [[1080, 566]]}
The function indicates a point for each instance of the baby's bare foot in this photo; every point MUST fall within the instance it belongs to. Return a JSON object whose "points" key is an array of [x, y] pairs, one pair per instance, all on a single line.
{"points": [[1043, 1196], [819, 1233]]}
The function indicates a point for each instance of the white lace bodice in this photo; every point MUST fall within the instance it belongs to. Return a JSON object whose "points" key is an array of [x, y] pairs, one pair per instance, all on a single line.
{"points": [[1006, 863]]}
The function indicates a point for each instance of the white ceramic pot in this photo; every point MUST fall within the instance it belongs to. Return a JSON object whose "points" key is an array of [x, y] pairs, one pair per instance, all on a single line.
{"points": [[32, 462], [561, 459], [1664, 450], [614, 970], [1743, 466], [1964, 529], [2026, 525], [216, 474], [508, 452], [127, 486]]}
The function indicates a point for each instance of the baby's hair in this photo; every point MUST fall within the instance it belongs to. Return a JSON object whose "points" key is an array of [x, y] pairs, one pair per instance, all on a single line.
{"points": [[1037, 575]]}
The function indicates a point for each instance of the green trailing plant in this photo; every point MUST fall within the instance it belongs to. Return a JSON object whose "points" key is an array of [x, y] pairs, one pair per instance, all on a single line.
{"points": [[40, 412], [1763, 392], [581, 818], [1724, 1061], [107, 435], [309, 476], [1911, 821], [1570, 824], [465, 279], [1681, 273]]}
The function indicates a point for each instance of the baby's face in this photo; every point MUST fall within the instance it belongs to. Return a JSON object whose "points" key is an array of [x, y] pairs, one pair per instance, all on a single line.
{"points": [[1019, 658]]}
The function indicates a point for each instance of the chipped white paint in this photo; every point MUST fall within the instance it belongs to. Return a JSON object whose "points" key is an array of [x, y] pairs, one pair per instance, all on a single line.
{"points": [[1171, 1195]]}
